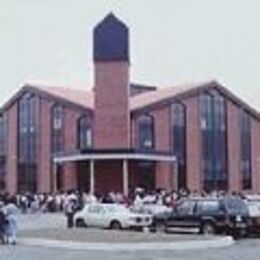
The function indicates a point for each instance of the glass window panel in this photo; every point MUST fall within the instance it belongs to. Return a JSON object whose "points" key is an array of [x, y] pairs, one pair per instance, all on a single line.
{"points": [[84, 132], [179, 141], [245, 150], [146, 132], [27, 152], [57, 128], [214, 143]]}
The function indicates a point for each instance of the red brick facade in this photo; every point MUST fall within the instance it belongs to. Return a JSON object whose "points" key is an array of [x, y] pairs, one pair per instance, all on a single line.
{"points": [[11, 165], [70, 142], [45, 171], [255, 141], [233, 137], [109, 174], [194, 178], [164, 171], [112, 118]]}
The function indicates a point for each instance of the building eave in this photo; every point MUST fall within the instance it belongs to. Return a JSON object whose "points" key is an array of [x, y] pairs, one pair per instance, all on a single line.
{"points": [[43, 94], [113, 155]]}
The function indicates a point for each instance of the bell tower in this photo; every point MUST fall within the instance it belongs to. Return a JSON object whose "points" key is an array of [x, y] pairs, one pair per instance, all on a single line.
{"points": [[111, 84]]}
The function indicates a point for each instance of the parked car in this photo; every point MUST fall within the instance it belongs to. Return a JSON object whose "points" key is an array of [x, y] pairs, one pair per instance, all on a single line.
{"points": [[208, 215], [253, 203], [112, 216]]}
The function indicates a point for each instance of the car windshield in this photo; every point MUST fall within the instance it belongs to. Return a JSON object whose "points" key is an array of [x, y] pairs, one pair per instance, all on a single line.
{"points": [[236, 206], [208, 206], [150, 209], [116, 208]]}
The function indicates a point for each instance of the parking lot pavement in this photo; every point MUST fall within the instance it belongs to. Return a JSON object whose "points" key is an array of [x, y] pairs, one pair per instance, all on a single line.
{"points": [[50, 230], [36, 224], [40, 220], [248, 249], [107, 236], [53, 226]]}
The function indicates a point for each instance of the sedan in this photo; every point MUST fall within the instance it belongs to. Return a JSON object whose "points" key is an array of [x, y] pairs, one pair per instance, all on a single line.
{"points": [[113, 216], [253, 203]]}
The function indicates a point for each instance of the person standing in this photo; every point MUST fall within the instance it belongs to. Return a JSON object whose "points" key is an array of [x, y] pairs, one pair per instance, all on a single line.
{"points": [[2, 223], [70, 209], [11, 212]]}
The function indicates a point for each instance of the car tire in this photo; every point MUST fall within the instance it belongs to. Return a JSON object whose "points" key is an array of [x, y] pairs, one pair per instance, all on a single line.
{"points": [[240, 233], [80, 223], [160, 228], [115, 225], [208, 228]]}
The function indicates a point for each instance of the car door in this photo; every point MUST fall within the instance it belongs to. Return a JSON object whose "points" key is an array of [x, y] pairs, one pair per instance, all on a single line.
{"points": [[94, 216], [183, 215]]}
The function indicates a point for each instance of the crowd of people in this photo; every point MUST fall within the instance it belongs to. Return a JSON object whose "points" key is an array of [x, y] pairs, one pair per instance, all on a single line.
{"points": [[55, 202], [74, 200]]}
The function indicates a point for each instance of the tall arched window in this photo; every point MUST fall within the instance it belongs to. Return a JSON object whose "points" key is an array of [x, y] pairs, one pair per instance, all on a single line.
{"points": [[57, 128], [84, 132], [146, 132], [245, 150], [214, 141], [27, 134], [179, 141]]}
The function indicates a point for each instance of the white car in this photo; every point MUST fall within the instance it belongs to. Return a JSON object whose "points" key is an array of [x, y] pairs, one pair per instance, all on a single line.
{"points": [[253, 203], [114, 216]]}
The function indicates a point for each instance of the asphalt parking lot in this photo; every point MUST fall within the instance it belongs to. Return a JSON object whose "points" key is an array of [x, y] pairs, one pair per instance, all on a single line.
{"points": [[52, 226], [108, 236]]}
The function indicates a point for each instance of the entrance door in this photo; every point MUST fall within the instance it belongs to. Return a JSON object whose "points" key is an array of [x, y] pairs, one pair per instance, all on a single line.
{"points": [[83, 176], [59, 177], [146, 176]]}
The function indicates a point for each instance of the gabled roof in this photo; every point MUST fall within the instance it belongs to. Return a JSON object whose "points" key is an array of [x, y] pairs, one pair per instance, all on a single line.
{"points": [[74, 97], [147, 100], [80, 97], [161, 94]]}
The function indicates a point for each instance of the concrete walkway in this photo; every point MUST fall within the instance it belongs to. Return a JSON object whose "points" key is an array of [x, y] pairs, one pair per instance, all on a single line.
{"points": [[49, 231], [109, 240], [217, 242]]}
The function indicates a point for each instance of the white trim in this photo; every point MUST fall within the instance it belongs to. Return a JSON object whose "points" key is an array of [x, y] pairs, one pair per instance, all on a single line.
{"points": [[54, 178], [125, 177], [92, 177], [108, 156]]}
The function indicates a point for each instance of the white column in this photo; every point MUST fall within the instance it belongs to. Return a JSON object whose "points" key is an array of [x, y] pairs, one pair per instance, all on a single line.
{"points": [[175, 176], [125, 177], [54, 180], [92, 176]]}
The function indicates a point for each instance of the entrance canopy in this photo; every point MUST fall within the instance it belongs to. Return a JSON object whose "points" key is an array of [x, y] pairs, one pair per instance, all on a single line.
{"points": [[125, 155], [114, 154]]}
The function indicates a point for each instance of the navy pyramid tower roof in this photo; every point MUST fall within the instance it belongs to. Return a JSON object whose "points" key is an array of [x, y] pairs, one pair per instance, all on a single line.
{"points": [[111, 40]]}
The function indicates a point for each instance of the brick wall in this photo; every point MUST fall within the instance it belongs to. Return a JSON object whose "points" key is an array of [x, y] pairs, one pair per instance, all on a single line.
{"points": [[70, 139], [45, 171], [193, 144], [11, 164], [164, 170], [112, 119], [233, 139], [108, 176], [255, 137]]}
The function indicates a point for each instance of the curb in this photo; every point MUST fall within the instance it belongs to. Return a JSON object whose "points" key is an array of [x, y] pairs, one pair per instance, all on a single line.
{"points": [[217, 242]]}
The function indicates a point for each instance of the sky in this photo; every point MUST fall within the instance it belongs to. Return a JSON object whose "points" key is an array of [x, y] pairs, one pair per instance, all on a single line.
{"points": [[172, 42]]}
